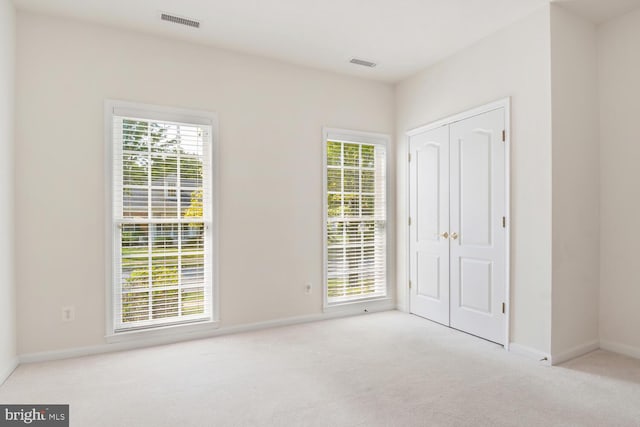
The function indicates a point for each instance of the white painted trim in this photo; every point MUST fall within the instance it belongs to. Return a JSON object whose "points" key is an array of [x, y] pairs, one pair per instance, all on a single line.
{"points": [[407, 293], [142, 343], [625, 349], [108, 225], [157, 112], [501, 103], [530, 353], [214, 221], [167, 331], [504, 102], [345, 135], [325, 206], [6, 371], [362, 306], [574, 352]]}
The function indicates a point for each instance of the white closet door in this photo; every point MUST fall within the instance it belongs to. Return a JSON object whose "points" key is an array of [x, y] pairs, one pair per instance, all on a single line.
{"points": [[429, 211], [478, 235]]}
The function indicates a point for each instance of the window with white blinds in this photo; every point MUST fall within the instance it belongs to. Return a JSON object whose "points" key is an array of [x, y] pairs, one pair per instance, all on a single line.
{"points": [[355, 217], [161, 219]]}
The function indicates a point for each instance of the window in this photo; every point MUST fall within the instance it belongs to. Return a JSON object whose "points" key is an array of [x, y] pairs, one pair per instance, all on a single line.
{"points": [[355, 216], [162, 216]]}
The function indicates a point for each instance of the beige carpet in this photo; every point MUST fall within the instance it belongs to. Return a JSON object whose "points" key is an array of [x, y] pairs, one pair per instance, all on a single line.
{"points": [[386, 369]]}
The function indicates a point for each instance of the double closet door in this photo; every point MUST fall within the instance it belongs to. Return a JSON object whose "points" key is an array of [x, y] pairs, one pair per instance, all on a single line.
{"points": [[458, 225]]}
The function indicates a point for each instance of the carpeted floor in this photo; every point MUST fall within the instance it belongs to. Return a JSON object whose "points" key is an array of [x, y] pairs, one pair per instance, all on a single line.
{"points": [[386, 369]]}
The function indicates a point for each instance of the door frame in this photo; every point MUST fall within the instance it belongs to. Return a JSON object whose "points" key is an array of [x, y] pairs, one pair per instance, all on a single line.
{"points": [[501, 103]]}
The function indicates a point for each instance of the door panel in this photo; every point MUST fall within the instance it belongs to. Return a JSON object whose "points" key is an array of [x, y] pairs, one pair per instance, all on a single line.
{"points": [[428, 159], [428, 275], [476, 275], [475, 189], [477, 206], [429, 211]]}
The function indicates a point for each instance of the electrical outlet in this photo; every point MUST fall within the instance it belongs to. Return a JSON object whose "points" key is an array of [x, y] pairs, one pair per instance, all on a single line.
{"points": [[68, 314], [307, 288]]}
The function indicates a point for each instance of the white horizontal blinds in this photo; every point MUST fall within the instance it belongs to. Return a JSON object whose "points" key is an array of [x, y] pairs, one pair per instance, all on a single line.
{"points": [[162, 211], [356, 221]]}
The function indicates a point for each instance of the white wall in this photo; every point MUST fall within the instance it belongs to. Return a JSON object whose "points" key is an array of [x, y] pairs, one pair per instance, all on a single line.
{"points": [[576, 192], [7, 286], [271, 116], [619, 71], [513, 62]]}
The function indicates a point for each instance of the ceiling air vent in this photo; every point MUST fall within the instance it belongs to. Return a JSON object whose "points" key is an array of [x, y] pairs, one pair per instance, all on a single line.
{"points": [[179, 20], [363, 62]]}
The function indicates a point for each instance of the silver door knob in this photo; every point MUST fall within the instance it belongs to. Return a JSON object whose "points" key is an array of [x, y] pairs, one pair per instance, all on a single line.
{"points": [[445, 235], [454, 236]]}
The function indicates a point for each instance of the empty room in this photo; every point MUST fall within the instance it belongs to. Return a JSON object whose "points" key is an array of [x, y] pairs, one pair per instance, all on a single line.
{"points": [[334, 213]]}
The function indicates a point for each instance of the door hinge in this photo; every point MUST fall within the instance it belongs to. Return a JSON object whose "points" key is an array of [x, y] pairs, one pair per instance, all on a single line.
{"points": [[504, 222], [409, 284], [409, 221], [504, 308], [504, 135], [409, 157]]}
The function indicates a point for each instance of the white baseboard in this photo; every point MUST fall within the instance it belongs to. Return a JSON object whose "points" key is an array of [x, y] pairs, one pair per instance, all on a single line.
{"points": [[530, 353], [625, 349], [6, 371], [574, 352], [130, 345]]}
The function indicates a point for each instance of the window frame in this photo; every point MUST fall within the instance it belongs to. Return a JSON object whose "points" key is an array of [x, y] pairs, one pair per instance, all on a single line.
{"points": [[345, 135], [161, 113]]}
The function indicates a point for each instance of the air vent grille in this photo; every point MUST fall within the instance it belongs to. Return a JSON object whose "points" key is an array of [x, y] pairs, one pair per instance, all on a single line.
{"points": [[363, 62], [180, 20]]}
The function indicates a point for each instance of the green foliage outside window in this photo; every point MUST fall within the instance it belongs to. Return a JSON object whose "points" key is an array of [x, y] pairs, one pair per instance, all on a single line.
{"points": [[351, 228], [153, 154]]}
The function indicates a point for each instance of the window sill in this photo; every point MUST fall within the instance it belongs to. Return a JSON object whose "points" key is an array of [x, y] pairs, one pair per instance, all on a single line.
{"points": [[162, 333], [364, 305]]}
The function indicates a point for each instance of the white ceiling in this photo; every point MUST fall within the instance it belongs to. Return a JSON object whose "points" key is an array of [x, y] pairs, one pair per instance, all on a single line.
{"points": [[402, 36], [599, 11]]}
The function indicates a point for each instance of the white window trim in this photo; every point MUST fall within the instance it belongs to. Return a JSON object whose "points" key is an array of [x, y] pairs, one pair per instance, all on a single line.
{"points": [[155, 112], [346, 135]]}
